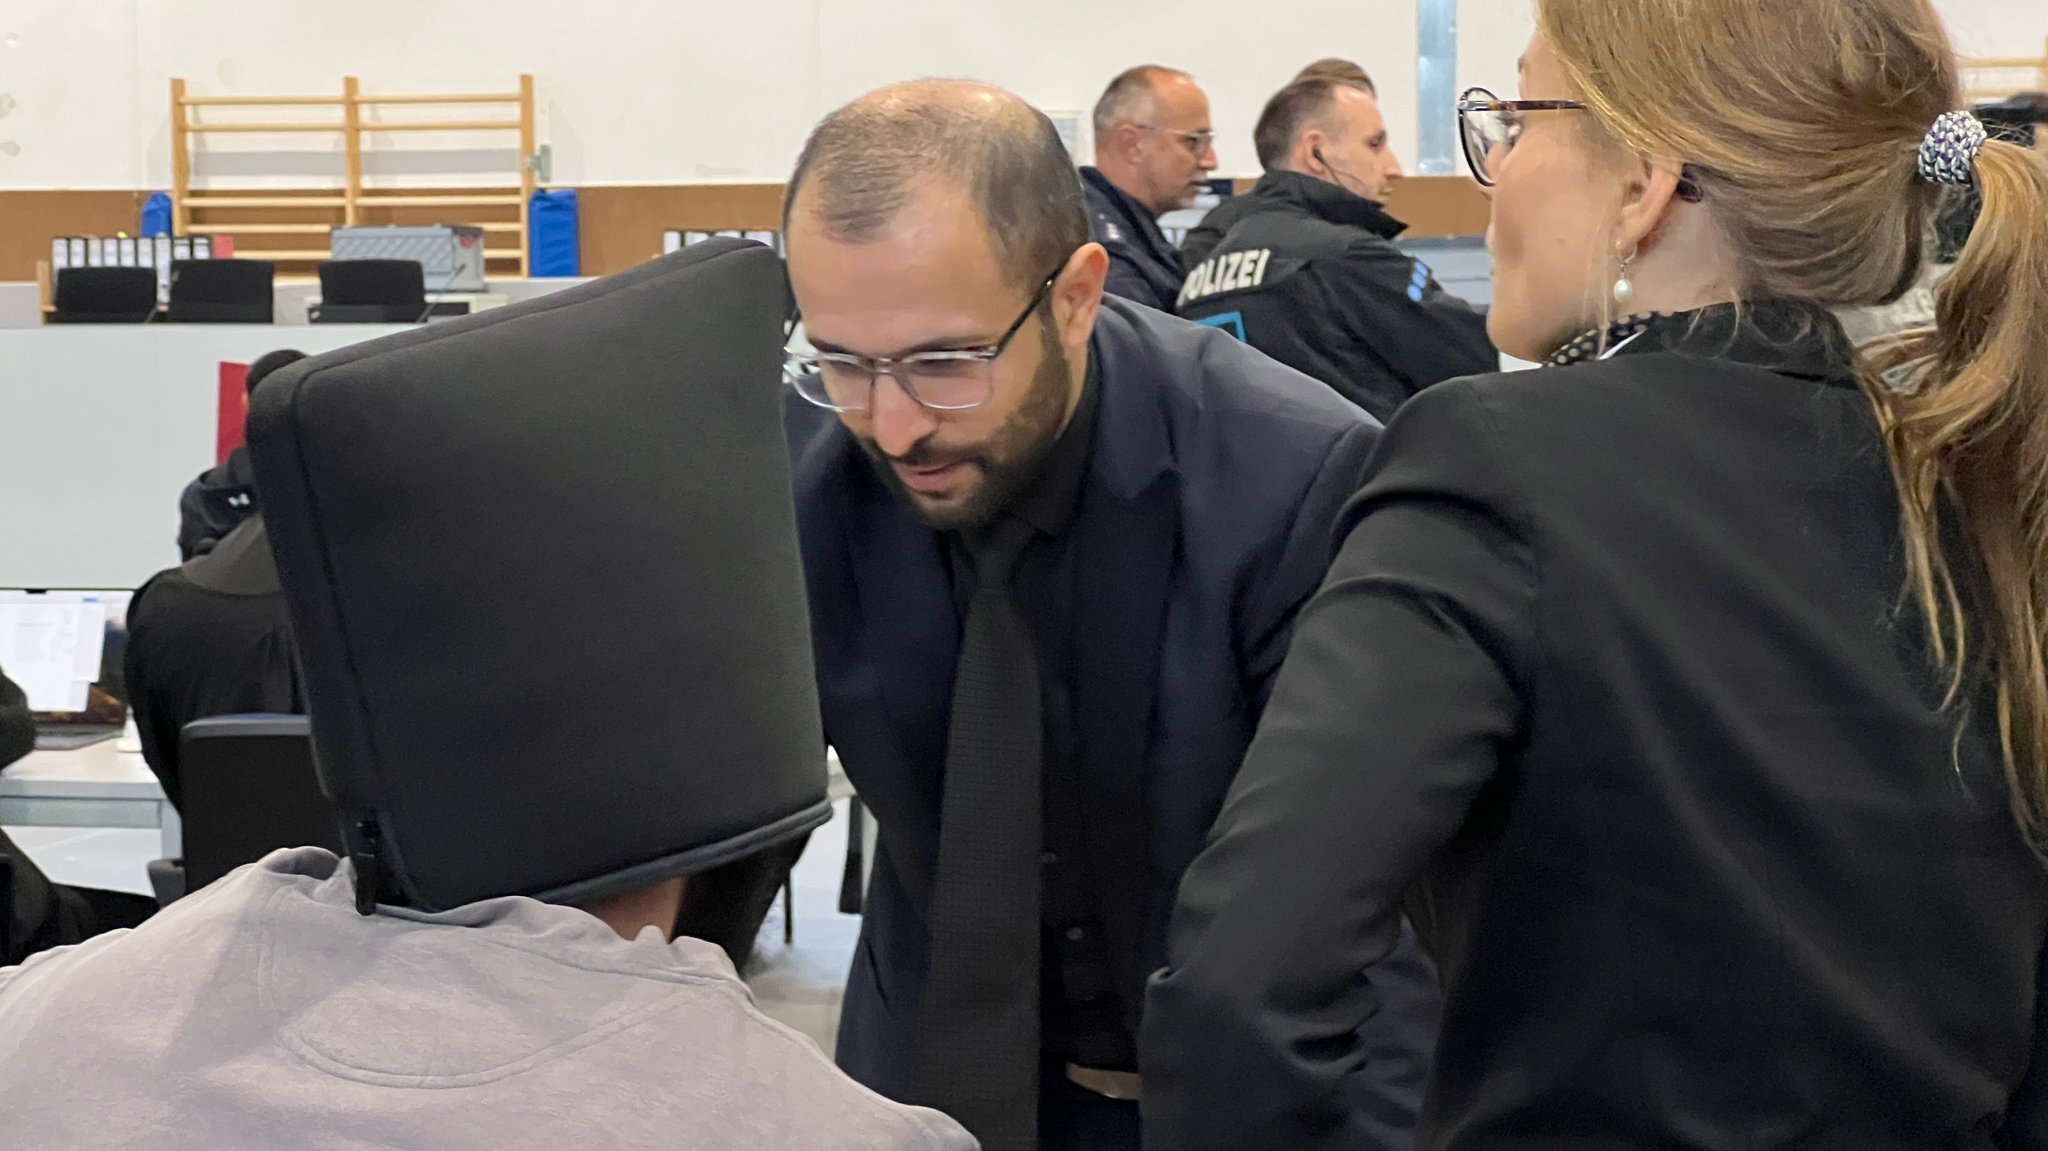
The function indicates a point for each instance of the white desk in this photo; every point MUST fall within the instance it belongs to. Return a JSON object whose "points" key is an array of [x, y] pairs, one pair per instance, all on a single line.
{"points": [[97, 786]]}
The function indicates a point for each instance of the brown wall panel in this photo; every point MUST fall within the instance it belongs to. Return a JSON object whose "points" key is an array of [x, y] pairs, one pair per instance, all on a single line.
{"points": [[621, 225], [1440, 206], [1431, 206], [29, 220]]}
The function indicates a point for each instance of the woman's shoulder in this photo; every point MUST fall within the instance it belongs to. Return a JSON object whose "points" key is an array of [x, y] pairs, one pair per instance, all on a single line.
{"points": [[1648, 394], [1647, 428]]}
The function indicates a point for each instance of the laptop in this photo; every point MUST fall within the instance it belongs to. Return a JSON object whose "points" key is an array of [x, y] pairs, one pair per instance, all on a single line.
{"points": [[65, 650]]}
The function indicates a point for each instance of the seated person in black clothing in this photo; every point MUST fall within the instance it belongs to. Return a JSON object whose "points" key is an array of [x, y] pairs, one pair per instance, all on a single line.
{"points": [[209, 638], [36, 914], [222, 497]]}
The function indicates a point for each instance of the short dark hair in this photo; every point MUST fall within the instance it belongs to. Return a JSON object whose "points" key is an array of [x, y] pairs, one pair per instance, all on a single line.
{"points": [[269, 362], [1292, 111], [1336, 68], [1120, 100], [867, 158]]}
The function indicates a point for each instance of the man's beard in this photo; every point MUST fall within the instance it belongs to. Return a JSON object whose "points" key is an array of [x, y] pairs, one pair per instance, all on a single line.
{"points": [[1010, 460]]}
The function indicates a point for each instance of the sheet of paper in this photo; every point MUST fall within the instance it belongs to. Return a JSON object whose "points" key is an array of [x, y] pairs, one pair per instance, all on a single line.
{"points": [[40, 651]]}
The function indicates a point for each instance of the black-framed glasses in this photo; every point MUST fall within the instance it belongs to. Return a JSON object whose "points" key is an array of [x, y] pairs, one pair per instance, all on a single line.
{"points": [[945, 380], [1489, 128], [1196, 142]]}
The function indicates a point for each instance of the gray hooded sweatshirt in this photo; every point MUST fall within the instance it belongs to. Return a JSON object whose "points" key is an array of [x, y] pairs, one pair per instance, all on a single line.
{"points": [[263, 1012]]}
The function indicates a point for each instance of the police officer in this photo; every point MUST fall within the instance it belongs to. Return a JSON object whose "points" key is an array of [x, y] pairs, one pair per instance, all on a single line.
{"points": [[1202, 239], [1310, 275], [1154, 150]]}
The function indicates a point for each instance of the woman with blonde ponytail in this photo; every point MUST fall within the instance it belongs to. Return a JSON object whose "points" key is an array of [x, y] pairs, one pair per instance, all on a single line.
{"points": [[1688, 694]]}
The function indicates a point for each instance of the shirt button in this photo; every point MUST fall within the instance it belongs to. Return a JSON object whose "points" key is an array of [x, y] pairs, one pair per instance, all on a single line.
{"points": [[1076, 934], [1049, 858]]}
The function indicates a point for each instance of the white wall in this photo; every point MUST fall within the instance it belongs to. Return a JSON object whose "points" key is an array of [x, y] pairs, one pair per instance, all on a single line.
{"points": [[1493, 33], [667, 91], [105, 426], [637, 91]]}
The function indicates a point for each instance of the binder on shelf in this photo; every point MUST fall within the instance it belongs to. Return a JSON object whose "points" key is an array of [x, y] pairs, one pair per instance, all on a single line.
{"points": [[767, 238], [161, 250], [110, 251], [127, 245], [202, 247], [77, 251], [671, 241], [695, 238], [93, 252], [60, 254], [181, 248]]}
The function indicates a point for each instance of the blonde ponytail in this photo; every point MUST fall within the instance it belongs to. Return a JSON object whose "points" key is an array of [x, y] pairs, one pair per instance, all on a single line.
{"points": [[1965, 412]]}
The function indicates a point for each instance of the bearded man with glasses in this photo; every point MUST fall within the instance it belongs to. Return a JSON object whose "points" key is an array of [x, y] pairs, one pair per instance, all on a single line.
{"points": [[1055, 544]]}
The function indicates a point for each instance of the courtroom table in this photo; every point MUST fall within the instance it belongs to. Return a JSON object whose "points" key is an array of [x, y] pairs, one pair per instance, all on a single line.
{"points": [[96, 786]]}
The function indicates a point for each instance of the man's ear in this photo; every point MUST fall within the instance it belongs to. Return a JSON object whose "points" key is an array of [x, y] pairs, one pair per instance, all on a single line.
{"points": [[1077, 295], [1130, 142], [1308, 153]]}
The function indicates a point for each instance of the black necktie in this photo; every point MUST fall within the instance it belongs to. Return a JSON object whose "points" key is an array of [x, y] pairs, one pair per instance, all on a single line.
{"points": [[979, 1041]]}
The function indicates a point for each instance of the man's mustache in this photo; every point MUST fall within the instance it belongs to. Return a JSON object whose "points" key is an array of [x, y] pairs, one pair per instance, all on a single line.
{"points": [[924, 455]]}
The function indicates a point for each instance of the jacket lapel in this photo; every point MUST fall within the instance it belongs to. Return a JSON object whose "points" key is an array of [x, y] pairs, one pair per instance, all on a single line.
{"points": [[906, 615], [1121, 617], [1127, 542], [898, 635]]}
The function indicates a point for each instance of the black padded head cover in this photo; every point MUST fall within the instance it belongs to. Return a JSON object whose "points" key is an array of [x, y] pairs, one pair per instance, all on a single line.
{"points": [[543, 570]]}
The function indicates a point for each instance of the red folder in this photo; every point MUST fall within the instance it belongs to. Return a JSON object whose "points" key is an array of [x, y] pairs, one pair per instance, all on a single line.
{"points": [[233, 409]]}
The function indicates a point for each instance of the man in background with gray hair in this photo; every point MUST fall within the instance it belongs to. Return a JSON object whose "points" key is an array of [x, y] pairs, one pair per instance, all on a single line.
{"points": [[1154, 150], [1055, 543]]}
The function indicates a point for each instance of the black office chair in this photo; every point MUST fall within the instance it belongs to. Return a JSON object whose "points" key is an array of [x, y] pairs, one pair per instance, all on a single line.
{"points": [[222, 292], [371, 292], [249, 789], [105, 295]]}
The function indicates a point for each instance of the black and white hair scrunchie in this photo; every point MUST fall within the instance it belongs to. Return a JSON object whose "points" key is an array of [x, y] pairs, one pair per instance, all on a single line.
{"points": [[1949, 153]]}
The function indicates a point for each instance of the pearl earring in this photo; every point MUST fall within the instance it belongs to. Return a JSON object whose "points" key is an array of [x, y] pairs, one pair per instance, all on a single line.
{"points": [[1624, 288]]}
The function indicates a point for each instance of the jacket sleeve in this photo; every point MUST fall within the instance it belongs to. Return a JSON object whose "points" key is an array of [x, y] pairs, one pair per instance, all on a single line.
{"points": [[1292, 576], [1401, 691], [1393, 305], [17, 722], [1127, 279], [2026, 1117]]}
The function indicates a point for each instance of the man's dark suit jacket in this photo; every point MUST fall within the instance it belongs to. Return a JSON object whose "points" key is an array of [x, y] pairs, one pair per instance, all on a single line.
{"points": [[1204, 523]]}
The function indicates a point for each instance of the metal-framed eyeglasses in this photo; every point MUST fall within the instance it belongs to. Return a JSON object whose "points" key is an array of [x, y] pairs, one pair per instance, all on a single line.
{"points": [[1196, 142], [1489, 128], [944, 380]]}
